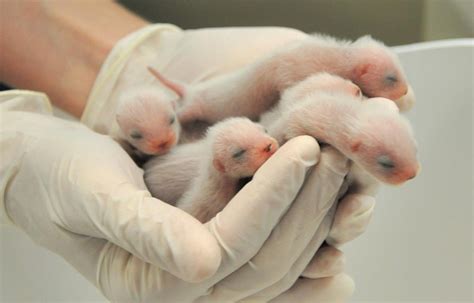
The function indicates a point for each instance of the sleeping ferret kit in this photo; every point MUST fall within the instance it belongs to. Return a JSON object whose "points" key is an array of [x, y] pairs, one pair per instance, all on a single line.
{"points": [[345, 94]]}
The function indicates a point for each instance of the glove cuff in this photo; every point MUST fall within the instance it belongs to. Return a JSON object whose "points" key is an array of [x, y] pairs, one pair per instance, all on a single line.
{"points": [[101, 104]]}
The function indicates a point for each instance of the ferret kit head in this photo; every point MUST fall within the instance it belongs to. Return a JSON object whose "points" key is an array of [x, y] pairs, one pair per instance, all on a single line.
{"points": [[383, 142], [377, 70], [148, 121], [253, 89], [239, 146], [371, 131], [367, 62]]}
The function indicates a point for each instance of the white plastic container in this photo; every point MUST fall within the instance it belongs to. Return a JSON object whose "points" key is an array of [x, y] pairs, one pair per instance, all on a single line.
{"points": [[419, 244]]}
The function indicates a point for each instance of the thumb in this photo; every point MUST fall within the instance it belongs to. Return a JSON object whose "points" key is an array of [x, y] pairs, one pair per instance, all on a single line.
{"points": [[103, 195], [158, 233]]}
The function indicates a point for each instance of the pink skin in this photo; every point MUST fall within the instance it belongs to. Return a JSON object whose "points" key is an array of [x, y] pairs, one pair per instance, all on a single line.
{"points": [[240, 135], [252, 90], [371, 133], [322, 82], [387, 138], [148, 121], [238, 147], [377, 71]]}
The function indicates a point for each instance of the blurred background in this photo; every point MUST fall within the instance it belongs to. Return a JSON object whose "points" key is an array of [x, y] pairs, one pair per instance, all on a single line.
{"points": [[395, 22]]}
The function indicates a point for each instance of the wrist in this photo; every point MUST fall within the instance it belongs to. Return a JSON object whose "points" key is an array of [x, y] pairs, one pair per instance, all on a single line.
{"points": [[70, 39], [90, 30], [95, 26]]}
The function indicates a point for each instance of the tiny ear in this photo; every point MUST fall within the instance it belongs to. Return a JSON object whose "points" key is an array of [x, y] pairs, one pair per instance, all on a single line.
{"points": [[178, 88], [361, 69], [355, 146], [218, 165]]}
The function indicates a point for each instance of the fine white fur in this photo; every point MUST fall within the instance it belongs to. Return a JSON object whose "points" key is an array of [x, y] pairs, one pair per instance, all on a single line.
{"points": [[320, 82], [342, 120], [254, 89], [190, 178], [168, 176], [147, 110]]}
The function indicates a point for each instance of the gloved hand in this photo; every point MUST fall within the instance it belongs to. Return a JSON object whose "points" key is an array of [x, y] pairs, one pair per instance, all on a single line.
{"points": [[78, 194], [192, 56], [106, 224]]}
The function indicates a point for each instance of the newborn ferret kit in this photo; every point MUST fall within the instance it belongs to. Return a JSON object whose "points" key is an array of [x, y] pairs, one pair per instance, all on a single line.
{"points": [[345, 94]]}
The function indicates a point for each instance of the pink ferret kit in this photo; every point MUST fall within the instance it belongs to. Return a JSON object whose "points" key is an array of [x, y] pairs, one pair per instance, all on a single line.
{"points": [[345, 94]]}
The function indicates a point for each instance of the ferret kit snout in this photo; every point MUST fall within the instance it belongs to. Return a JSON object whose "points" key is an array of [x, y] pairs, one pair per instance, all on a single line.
{"points": [[345, 94], [147, 121]]}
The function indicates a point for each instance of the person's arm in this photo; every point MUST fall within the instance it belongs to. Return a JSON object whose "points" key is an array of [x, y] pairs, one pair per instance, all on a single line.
{"points": [[58, 47]]}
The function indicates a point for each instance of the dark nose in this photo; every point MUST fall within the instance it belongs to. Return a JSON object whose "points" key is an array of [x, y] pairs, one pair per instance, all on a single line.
{"points": [[412, 174], [271, 147], [268, 148], [415, 173], [167, 142], [163, 145]]}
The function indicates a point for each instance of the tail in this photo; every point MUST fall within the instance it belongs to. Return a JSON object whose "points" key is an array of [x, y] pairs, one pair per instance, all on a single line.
{"points": [[178, 88]]}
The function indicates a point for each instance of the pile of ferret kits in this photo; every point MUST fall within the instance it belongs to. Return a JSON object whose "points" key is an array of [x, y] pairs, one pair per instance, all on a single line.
{"points": [[345, 94]]}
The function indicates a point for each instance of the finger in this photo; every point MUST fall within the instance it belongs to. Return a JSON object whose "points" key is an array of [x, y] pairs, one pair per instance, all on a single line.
{"points": [[104, 196], [352, 217], [122, 276], [327, 262], [119, 275], [246, 222], [163, 235], [334, 289], [302, 261], [292, 235]]}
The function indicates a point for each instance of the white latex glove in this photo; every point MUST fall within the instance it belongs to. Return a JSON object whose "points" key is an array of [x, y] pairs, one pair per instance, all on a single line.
{"points": [[93, 209], [78, 194], [195, 55]]}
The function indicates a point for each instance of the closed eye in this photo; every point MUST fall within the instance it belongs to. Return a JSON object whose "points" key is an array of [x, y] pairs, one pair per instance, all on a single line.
{"points": [[136, 135], [385, 162], [172, 119], [391, 79], [238, 154]]}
